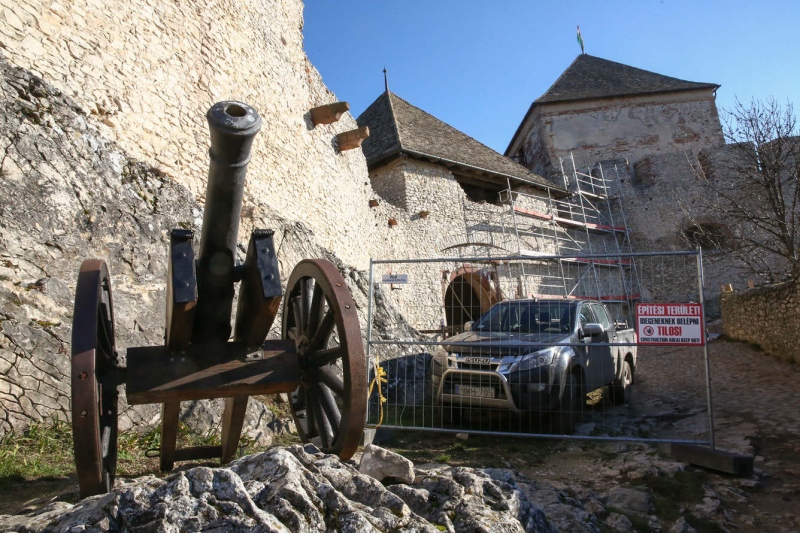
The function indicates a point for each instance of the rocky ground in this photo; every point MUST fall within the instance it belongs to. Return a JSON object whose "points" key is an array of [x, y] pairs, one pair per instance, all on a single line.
{"points": [[521, 484]]}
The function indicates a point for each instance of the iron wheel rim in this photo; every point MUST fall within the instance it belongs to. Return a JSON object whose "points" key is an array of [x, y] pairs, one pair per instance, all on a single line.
{"points": [[319, 315], [94, 392]]}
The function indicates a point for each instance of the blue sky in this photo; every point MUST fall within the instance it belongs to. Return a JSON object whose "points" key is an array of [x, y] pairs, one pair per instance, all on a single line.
{"points": [[478, 64]]}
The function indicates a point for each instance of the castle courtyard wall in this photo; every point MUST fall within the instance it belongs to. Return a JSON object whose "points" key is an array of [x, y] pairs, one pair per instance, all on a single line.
{"points": [[144, 73], [766, 316], [148, 71]]}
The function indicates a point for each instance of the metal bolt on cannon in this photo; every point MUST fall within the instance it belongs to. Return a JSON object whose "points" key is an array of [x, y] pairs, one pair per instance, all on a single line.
{"points": [[319, 358]]}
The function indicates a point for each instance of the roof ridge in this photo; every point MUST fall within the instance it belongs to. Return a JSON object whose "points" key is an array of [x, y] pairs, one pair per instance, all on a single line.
{"points": [[389, 95], [561, 76]]}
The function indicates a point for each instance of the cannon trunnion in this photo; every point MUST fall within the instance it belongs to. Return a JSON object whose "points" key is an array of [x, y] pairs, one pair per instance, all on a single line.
{"points": [[319, 358]]}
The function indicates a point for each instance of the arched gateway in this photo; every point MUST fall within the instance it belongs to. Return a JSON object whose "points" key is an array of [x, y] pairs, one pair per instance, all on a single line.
{"points": [[470, 292]]}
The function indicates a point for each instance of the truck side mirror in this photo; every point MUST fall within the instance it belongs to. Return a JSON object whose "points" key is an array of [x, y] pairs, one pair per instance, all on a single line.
{"points": [[591, 332], [468, 325]]}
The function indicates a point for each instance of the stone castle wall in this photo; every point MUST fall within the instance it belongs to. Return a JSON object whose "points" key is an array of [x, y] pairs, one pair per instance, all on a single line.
{"points": [[429, 207], [148, 71], [649, 148], [767, 316], [140, 77], [629, 128]]}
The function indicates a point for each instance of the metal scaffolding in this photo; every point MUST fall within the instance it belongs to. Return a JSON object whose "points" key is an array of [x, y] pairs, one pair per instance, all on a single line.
{"points": [[589, 222]]}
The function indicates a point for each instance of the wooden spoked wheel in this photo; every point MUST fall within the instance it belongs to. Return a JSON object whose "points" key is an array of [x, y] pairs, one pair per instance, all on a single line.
{"points": [[94, 386], [319, 315]]}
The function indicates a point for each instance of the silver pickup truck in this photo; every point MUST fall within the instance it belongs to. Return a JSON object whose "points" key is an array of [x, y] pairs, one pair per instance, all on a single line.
{"points": [[535, 355]]}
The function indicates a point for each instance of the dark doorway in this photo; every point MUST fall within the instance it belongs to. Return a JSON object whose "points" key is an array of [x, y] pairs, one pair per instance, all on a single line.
{"points": [[461, 303]]}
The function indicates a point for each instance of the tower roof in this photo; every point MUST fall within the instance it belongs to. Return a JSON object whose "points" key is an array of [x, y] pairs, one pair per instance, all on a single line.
{"points": [[590, 77], [399, 128]]}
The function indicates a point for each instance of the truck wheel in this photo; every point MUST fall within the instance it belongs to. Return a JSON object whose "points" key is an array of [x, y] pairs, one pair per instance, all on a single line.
{"points": [[621, 389], [573, 403]]}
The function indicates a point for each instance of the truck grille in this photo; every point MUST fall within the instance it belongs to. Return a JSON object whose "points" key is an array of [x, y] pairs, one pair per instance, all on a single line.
{"points": [[477, 363]]}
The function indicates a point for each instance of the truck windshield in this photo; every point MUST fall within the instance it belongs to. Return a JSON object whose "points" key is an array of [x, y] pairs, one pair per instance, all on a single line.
{"points": [[527, 316]]}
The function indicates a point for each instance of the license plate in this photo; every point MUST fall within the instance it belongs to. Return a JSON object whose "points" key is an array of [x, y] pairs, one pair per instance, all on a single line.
{"points": [[477, 392], [477, 360]]}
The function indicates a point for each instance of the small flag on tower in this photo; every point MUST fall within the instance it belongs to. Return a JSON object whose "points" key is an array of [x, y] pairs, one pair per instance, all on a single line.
{"points": [[580, 39]]}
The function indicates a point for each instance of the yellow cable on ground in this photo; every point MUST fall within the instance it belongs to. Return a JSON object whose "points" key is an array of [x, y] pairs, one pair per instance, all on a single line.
{"points": [[380, 377]]}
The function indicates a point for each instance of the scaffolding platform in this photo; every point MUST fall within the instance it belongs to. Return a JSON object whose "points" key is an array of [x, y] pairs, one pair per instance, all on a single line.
{"points": [[590, 222]]}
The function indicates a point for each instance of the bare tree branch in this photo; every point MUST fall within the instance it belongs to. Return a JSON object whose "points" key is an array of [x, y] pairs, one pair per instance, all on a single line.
{"points": [[751, 211]]}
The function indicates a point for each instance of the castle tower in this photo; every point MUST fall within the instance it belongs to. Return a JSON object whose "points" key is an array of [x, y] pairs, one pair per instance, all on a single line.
{"points": [[600, 110]]}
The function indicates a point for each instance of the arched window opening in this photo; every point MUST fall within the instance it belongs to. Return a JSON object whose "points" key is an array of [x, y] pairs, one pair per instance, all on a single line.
{"points": [[461, 303], [470, 293]]}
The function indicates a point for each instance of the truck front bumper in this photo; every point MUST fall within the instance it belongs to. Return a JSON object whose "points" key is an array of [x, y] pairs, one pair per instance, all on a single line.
{"points": [[519, 391]]}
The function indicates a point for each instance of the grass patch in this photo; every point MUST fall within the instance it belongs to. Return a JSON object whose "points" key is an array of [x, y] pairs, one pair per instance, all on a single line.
{"points": [[281, 410], [44, 450], [443, 458]]}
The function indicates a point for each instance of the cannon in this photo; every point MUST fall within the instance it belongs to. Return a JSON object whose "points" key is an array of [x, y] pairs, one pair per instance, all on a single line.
{"points": [[319, 358]]}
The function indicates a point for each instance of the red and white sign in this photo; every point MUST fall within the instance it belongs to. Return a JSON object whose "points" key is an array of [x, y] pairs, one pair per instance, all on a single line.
{"points": [[670, 324]]}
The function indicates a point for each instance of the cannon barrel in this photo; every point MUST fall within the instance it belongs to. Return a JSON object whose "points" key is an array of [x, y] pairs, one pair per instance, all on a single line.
{"points": [[233, 126]]}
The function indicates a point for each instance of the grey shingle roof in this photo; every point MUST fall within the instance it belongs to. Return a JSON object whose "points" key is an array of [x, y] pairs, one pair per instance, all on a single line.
{"points": [[590, 77], [593, 77], [397, 127]]}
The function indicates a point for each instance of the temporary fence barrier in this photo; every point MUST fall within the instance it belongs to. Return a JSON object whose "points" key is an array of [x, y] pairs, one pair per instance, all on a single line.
{"points": [[541, 346]]}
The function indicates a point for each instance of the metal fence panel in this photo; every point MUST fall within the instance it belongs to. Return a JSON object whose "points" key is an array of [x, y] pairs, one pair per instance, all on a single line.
{"points": [[501, 345]]}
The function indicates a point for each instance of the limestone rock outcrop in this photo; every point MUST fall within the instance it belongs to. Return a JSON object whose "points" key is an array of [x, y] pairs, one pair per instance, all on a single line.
{"points": [[301, 490], [68, 194]]}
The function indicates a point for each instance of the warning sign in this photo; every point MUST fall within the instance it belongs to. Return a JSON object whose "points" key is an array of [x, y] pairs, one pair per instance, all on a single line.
{"points": [[670, 324]]}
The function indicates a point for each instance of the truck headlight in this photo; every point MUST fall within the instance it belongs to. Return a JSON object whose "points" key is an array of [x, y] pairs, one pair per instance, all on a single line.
{"points": [[537, 359]]}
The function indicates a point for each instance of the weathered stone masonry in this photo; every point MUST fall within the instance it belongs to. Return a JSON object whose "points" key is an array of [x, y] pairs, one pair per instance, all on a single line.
{"points": [[148, 71], [767, 316]]}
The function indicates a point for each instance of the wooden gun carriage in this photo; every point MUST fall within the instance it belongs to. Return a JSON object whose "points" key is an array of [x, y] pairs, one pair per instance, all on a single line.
{"points": [[319, 358]]}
